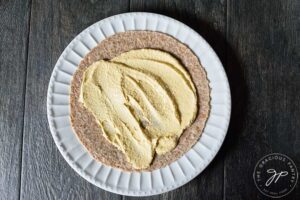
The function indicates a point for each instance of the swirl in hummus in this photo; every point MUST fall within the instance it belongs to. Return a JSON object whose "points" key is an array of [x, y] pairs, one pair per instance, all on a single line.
{"points": [[143, 100]]}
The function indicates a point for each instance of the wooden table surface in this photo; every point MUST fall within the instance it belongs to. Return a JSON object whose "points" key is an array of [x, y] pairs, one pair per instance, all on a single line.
{"points": [[257, 42]]}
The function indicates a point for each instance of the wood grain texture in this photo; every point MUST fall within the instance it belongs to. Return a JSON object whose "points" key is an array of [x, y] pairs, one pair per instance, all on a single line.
{"points": [[265, 37], [14, 17], [209, 19], [45, 174]]}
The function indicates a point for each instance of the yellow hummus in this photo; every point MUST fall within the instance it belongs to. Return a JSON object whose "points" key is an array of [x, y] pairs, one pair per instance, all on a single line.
{"points": [[143, 100]]}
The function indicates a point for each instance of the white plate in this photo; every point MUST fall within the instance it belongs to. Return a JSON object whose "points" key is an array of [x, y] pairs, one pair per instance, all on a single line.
{"points": [[144, 183]]}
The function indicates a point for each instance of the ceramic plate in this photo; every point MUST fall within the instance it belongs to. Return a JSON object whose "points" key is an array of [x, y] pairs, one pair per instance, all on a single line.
{"points": [[145, 183]]}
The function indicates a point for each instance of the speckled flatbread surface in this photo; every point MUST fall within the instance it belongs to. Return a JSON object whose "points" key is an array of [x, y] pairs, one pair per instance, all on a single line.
{"points": [[84, 124]]}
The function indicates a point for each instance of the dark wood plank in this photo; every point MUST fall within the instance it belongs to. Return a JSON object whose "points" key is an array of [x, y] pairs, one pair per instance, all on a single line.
{"points": [[265, 39], [14, 18], [45, 174], [209, 19]]}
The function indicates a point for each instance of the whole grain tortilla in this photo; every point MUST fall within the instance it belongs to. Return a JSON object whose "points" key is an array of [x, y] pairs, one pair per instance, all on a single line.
{"points": [[84, 124]]}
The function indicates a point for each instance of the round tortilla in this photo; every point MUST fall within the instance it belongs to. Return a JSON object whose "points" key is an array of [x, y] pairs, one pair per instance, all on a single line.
{"points": [[84, 124]]}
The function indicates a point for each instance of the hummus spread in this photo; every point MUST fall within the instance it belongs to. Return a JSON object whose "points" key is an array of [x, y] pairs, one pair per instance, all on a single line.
{"points": [[143, 100]]}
